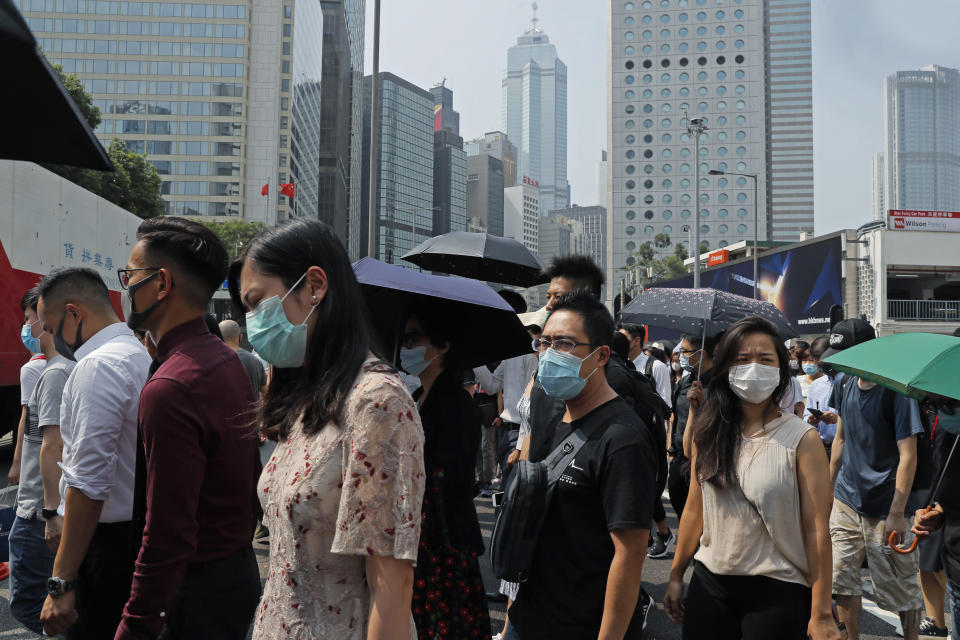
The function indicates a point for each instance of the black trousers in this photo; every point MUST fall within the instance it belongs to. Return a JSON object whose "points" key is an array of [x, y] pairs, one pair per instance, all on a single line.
{"points": [[103, 583], [678, 483], [744, 607], [216, 600]]}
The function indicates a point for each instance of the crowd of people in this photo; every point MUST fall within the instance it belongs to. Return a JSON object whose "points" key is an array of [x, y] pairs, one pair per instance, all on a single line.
{"points": [[152, 451]]}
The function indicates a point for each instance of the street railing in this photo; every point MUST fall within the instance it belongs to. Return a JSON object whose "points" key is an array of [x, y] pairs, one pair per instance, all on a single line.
{"points": [[923, 310]]}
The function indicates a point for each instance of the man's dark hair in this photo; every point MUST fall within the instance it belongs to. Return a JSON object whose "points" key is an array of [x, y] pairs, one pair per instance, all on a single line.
{"points": [[802, 345], [635, 330], [581, 269], [30, 299], [621, 345], [697, 342], [191, 250], [817, 347], [597, 321], [514, 299], [73, 285]]}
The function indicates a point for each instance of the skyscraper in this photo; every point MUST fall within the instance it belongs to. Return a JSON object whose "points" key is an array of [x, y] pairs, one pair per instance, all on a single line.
{"points": [[879, 208], [594, 221], [744, 67], [404, 177], [535, 115], [449, 165], [485, 194], [921, 114], [221, 103]]}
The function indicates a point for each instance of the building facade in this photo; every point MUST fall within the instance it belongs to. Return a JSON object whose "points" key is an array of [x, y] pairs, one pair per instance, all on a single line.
{"points": [[220, 103], [879, 208], [521, 213], [594, 222], [485, 199], [449, 165], [535, 115], [743, 68], [404, 177], [921, 113], [498, 145]]}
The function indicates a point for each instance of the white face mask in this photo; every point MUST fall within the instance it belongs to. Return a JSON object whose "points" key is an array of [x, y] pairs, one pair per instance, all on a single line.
{"points": [[754, 382]]}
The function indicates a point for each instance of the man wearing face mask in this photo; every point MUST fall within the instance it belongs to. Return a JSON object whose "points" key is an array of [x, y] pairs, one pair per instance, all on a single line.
{"points": [[98, 425], [585, 576], [29, 374], [196, 573], [872, 465]]}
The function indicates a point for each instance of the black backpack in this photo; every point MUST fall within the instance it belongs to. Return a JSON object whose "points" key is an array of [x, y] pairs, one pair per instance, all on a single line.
{"points": [[648, 404], [923, 476], [526, 500]]}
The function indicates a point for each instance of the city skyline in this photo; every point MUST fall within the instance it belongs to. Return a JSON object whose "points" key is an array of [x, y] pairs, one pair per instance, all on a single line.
{"points": [[850, 64]]}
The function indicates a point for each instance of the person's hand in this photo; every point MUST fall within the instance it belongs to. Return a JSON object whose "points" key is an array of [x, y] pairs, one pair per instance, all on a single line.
{"points": [[59, 614], [673, 601], [896, 524], [13, 477], [813, 421], [52, 532], [695, 394], [497, 422], [830, 417], [513, 457], [926, 522], [824, 628]]}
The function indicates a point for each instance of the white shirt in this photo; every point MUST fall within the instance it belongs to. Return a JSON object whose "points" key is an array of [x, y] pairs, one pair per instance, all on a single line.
{"points": [[511, 376], [791, 396], [98, 420], [660, 374], [29, 374], [818, 397]]}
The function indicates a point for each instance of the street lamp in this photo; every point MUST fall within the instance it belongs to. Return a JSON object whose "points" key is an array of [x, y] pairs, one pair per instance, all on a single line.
{"points": [[756, 217], [696, 127]]}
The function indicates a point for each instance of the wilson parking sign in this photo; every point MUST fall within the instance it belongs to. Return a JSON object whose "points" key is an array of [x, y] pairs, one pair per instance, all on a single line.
{"points": [[903, 220]]}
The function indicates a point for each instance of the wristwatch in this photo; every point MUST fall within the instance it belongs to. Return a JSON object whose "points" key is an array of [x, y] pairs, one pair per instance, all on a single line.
{"points": [[49, 513], [56, 587]]}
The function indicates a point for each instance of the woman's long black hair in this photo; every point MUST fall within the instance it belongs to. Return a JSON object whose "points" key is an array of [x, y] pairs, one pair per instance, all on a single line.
{"points": [[716, 429], [339, 343]]}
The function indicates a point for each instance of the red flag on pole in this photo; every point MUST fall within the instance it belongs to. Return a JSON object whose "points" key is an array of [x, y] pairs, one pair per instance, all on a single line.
{"points": [[288, 189], [265, 189]]}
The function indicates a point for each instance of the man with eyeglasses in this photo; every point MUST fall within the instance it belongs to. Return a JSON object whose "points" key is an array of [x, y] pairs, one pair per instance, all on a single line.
{"points": [[586, 571], [98, 425]]}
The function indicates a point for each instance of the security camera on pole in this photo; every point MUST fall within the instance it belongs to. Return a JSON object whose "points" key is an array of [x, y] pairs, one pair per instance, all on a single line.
{"points": [[696, 127]]}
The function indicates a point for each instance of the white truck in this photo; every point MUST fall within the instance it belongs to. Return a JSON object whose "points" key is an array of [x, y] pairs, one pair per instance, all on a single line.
{"points": [[46, 222]]}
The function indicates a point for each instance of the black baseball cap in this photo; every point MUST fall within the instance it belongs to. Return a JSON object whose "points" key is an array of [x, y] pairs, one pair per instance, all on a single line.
{"points": [[848, 333]]}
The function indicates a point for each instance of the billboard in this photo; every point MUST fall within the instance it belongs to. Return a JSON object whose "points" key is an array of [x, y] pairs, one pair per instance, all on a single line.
{"points": [[901, 220], [804, 281]]}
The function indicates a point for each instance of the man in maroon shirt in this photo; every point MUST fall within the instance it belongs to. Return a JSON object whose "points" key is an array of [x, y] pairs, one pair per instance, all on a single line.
{"points": [[196, 575]]}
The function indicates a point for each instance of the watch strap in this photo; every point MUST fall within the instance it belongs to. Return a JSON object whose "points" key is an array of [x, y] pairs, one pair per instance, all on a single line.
{"points": [[49, 513]]}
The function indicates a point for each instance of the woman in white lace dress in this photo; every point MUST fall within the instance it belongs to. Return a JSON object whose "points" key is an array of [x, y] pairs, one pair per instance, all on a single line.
{"points": [[342, 492]]}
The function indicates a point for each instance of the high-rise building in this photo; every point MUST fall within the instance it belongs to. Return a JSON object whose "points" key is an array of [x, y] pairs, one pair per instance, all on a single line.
{"points": [[744, 67], [602, 178], [879, 210], [220, 103], [449, 165], [559, 236], [521, 213], [498, 145], [594, 222], [485, 185], [535, 115], [921, 113], [404, 178]]}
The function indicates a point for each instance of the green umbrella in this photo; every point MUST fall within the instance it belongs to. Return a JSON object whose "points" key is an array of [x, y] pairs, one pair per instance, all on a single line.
{"points": [[914, 364]]}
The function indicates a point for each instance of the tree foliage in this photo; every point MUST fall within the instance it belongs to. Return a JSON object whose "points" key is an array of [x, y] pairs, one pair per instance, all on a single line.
{"points": [[654, 269], [135, 183], [234, 234]]}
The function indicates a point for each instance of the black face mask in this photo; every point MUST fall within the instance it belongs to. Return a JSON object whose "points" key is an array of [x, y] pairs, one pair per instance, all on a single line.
{"points": [[135, 319], [64, 349]]}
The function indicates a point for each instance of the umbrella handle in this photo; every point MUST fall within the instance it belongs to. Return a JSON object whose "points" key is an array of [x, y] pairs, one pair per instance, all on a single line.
{"points": [[913, 545]]}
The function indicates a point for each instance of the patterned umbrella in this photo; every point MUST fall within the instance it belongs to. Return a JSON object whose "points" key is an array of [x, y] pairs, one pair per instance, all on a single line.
{"points": [[701, 311]]}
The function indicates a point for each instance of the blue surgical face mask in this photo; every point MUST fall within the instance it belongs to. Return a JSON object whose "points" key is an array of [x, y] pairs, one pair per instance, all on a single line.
{"points": [[810, 369], [950, 423], [685, 363], [276, 339], [559, 374], [26, 336], [414, 360]]}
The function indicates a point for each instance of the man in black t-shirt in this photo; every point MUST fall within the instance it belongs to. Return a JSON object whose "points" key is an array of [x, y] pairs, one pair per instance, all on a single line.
{"points": [[587, 567]]}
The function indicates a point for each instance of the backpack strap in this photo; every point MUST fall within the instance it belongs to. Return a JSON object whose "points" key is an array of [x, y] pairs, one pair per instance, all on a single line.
{"points": [[648, 366], [560, 458]]}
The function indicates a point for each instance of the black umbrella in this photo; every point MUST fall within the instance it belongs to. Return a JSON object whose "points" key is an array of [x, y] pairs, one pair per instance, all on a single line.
{"points": [[45, 124], [480, 256], [489, 328], [701, 311]]}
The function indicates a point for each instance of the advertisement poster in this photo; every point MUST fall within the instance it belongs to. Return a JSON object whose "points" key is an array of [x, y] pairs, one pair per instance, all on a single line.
{"points": [[901, 220], [804, 282]]}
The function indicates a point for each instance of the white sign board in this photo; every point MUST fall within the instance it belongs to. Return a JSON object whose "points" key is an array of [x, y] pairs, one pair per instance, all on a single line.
{"points": [[902, 220]]}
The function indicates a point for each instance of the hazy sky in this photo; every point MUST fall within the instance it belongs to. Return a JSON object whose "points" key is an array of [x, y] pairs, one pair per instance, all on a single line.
{"points": [[855, 44]]}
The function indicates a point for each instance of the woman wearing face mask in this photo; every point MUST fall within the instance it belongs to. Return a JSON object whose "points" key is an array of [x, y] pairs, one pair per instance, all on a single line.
{"points": [[759, 512], [341, 494], [449, 600]]}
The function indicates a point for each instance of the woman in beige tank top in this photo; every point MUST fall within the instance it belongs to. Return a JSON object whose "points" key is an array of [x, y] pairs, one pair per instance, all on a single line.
{"points": [[757, 520]]}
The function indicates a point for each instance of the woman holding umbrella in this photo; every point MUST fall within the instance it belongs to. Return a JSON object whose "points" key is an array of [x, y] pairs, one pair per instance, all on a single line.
{"points": [[759, 513], [342, 493], [449, 600]]}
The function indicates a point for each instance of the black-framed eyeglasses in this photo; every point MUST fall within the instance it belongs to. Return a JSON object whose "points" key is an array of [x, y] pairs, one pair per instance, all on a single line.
{"points": [[409, 338], [563, 345], [124, 275], [688, 352]]}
